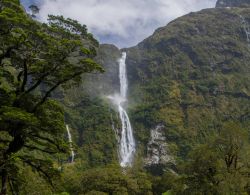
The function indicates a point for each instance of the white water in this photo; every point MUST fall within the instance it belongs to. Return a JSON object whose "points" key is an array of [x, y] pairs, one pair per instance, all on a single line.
{"points": [[123, 76], [157, 147], [127, 142], [72, 153], [246, 29]]}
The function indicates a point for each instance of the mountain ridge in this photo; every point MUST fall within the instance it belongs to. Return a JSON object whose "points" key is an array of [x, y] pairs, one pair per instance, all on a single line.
{"points": [[232, 3], [188, 66], [184, 68]]}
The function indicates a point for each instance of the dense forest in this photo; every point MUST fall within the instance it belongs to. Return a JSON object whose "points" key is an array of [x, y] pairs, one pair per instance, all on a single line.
{"points": [[188, 102]]}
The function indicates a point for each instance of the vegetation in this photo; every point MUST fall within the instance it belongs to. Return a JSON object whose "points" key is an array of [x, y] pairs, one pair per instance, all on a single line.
{"points": [[35, 60], [191, 77]]}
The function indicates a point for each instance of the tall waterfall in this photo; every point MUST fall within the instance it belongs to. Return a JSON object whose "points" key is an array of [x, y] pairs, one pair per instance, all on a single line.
{"points": [[127, 142], [72, 153]]}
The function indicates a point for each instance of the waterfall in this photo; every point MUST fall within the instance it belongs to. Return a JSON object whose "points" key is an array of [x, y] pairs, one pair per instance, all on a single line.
{"points": [[72, 153], [246, 28], [123, 76], [126, 139]]}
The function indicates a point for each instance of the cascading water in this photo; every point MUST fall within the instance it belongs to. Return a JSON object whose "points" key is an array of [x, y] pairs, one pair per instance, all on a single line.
{"points": [[72, 153], [127, 142], [246, 29]]}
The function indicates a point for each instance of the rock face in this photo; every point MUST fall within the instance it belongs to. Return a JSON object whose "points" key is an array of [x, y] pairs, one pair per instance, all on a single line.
{"points": [[108, 82], [103, 84], [157, 148], [232, 3]]}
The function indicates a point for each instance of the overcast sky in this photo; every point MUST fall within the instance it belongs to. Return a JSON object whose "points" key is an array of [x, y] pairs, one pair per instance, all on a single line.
{"points": [[121, 22]]}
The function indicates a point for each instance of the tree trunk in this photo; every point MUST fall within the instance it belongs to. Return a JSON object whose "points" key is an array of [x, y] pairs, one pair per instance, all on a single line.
{"points": [[4, 182]]}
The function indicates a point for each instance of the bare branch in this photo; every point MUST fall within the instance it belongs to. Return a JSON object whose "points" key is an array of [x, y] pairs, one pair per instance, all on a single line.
{"points": [[47, 94], [25, 75]]}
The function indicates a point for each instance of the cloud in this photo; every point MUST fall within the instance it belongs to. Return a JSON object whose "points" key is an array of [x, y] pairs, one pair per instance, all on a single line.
{"points": [[122, 22]]}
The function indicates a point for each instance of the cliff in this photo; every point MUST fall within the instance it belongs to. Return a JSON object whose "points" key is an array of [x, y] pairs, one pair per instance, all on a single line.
{"points": [[191, 76]]}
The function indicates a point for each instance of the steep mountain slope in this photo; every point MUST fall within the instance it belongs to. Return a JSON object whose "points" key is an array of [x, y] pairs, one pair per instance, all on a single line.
{"points": [[191, 76], [188, 85], [188, 101]]}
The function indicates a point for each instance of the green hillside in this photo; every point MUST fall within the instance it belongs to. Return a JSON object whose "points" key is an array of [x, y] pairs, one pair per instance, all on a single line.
{"points": [[188, 103], [192, 76]]}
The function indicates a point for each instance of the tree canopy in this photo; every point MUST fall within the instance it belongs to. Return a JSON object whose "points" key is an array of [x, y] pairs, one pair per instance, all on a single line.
{"points": [[35, 59]]}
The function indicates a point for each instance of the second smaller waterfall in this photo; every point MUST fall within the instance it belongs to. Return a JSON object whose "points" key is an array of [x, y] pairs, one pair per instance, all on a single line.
{"points": [[72, 153], [246, 29]]}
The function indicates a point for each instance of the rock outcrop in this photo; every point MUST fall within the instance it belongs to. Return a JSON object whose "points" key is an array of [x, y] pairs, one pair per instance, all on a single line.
{"points": [[157, 148]]}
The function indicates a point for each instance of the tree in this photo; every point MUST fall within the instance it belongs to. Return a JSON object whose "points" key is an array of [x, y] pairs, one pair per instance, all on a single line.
{"points": [[35, 59], [200, 171], [232, 145], [111, 180], [221, 166]]}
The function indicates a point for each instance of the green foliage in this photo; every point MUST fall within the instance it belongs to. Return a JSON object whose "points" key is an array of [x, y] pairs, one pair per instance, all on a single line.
{"points": [[181, 77], [192, 77], [35, 59], [93, 119], [33, 184], [220, 166], [109, 180]]}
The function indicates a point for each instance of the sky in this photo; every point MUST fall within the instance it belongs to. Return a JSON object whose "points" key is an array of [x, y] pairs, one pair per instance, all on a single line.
{"points": [[121, 22]]}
